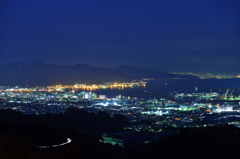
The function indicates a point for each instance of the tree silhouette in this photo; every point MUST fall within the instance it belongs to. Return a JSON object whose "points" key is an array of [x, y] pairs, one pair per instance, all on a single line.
{"points": [[18, 151], [72, 152]]}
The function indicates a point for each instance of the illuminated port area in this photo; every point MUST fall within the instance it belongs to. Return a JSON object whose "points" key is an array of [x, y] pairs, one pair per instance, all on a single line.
{"points": [[197, 109], [210, 75]]}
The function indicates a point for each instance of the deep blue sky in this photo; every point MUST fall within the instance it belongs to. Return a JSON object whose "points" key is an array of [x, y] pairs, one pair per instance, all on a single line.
{"points": [[167, 35]]}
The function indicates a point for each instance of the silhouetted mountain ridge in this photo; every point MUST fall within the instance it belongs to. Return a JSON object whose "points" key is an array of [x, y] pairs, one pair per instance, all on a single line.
{"points": [[73, 118], [40, 73], [147, 73]]}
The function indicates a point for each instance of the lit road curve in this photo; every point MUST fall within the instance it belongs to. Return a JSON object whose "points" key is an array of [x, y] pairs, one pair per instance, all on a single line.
{"points": [[65, 143]]}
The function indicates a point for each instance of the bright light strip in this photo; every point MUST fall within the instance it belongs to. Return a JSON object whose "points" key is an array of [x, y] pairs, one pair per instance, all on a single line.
{"points": [[65, 143]]}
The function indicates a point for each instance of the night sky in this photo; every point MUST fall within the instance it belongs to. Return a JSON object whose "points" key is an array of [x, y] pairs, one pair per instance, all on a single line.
{"points": [[166, 35]]}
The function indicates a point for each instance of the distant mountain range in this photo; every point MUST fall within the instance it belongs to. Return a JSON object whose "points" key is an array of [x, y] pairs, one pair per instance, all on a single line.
{"points": [[146, 73], [39, 73]]}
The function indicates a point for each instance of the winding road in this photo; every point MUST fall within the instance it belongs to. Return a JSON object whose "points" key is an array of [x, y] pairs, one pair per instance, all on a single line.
{"points": [[65, 143]]}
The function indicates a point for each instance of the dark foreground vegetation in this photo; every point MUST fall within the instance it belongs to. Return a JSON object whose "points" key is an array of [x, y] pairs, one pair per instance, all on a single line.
{"points": [[21, 134]]}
